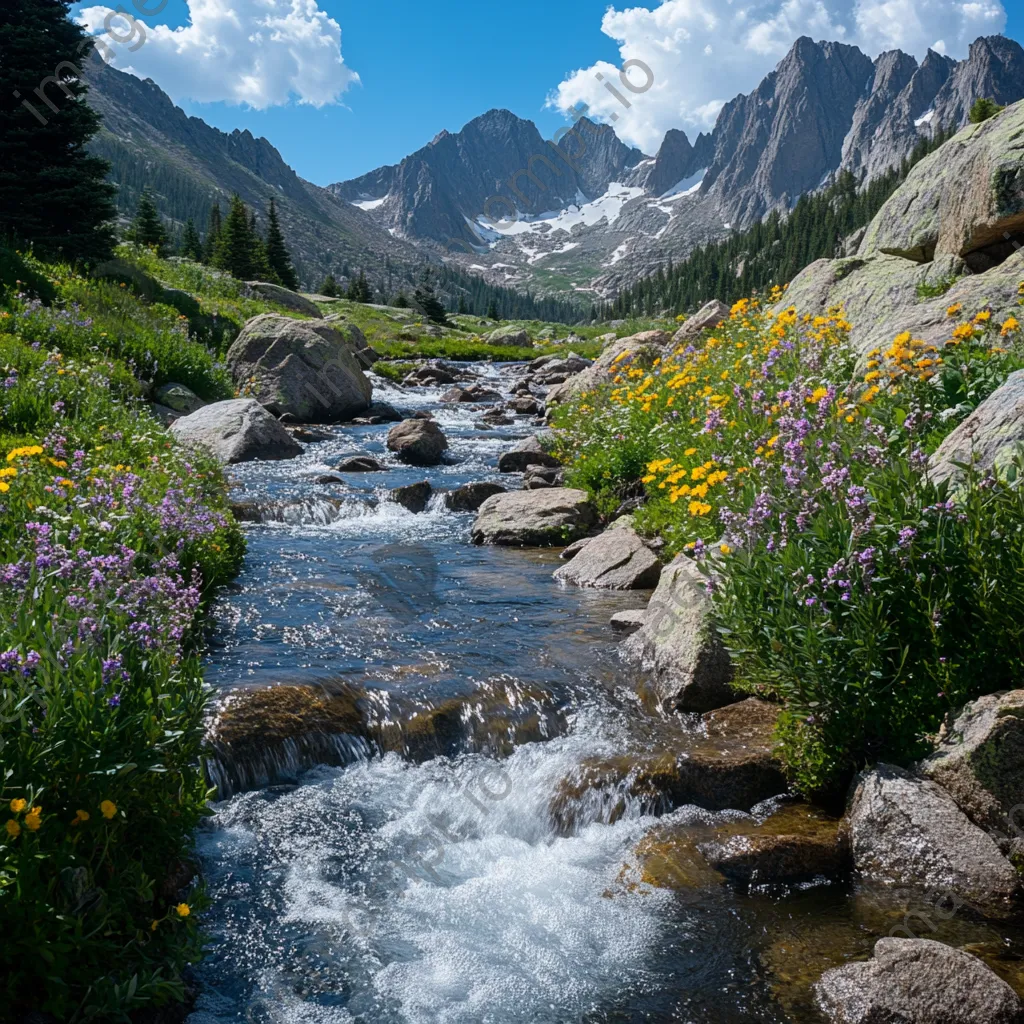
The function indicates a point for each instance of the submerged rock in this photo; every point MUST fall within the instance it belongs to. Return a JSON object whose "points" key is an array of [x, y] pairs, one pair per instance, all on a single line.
{"points": [[679, 645], [469, 497], [980, 762], [616, 560], [237, 430], [908, 831], [419, 442], [917, 981], [359, 464], [473, 393], [541, 518]]}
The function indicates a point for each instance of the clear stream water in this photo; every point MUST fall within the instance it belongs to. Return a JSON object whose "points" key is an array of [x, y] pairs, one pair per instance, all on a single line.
{"points": [[394, 892]]}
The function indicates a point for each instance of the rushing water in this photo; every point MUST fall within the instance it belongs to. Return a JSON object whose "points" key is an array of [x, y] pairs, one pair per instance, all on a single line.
{"points": [[394, 892]]}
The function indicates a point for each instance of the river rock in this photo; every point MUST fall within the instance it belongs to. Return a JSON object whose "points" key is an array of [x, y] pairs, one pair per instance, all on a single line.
{"points": [[525, 406], [963, 201], [355, 340], [469, 497], [536, 477], [236, 430], [639, 350], [980, 762], [414, 497], [300, 367], [284, 297], [709, 315], [474, 393], [419, 442], [616, 560], [359, 464], [534, 518], [917, 981], [628, 621], [573, 549], [426, 376], [509, 336], [529, 452], [990, 437], [384, 412], [908, 831], [679, 645], [180, 399]]}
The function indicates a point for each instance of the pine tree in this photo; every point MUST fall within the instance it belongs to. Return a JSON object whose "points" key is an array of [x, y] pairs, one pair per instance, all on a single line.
{"points": [[492, 311], [330, 287], [213, 232], [54, 196], [983, 109], [428, 304], [191, 243], [234, 251], [277, 252], [463, 308], [400, 301], [147, 227], [359, 289]]}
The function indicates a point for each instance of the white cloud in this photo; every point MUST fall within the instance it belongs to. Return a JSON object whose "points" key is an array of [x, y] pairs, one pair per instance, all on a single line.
{"points": [[704, 52], [261, 53]]}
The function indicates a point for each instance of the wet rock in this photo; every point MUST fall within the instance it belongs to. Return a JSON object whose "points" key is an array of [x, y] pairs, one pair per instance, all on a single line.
{"points": [[177, 397], [537, 477], [534, 518], [709, 315], [284, 297], [329, 478], [509, 336], [980, 762], [237, 430], [989, 438], [905, 830], [418, 442], [639, 350], [730, 764], [470, 497], [359, 464], [529, 452], [679, 645], [386, 412], [309, 436], [627, 621], [525, 406], [793, 845], [301, 367], [414, 497], [474, 393], [426, 376], [917, 981], [616, 560], [574, 548], [261, 736]]}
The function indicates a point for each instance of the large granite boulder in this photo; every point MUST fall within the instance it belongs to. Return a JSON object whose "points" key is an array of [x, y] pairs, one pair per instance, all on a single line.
{"points": [[989, 438], [529, 452], [509, 336], [709, 315], [640, 350], [908, 831], [965, 200], [678, 642], [179, 398], [542, 518], [355, 340], [916, 981], [284, 297], [418, 442], [980, 762], [299, 367], [238, 430], [616, 560]]}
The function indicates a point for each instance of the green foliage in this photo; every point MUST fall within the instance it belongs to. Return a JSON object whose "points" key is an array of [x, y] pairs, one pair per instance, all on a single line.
{"points": [[982, 109], [19, 273], [103, 700], [848, 585], [395, 371], [277, 253], [359, 289], [427, 302], [191, 243], [933, 289], [330, 288], [234, 248], [214, 227], [400, 301], [147, 227], [53, 195], [771, 252]]}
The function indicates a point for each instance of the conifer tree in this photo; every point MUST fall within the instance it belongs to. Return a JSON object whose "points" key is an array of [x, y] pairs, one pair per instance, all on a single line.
{"points": [[428, 304], [213, 230], [147, 228], [400, 301], [191, 243], [983, 109], [492, 311], [277, 252], [330, 287], [234, 251], [54, 196], [463, 308]]}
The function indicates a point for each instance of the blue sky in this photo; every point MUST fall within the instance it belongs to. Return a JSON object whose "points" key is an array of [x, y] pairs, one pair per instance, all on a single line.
{"points": [[412, 68]]}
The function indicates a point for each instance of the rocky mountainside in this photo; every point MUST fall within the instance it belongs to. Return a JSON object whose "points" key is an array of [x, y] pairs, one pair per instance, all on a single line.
{"points": [[189, 165], [498, 199]]}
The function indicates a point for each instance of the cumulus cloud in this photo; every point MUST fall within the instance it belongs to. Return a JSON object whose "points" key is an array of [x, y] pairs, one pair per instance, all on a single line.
{"points": [[702, 53], [260, 53]]}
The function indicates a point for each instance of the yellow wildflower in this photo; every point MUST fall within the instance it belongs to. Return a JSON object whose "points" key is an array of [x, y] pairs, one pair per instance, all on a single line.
{"points": [[18, 805], [183, 910], [954, 309], [983, 317], [1010, 325], [12, 828], [8, 471], [18, 453], [725, 549], [34, 819], [80, 817], [108, 809]]}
